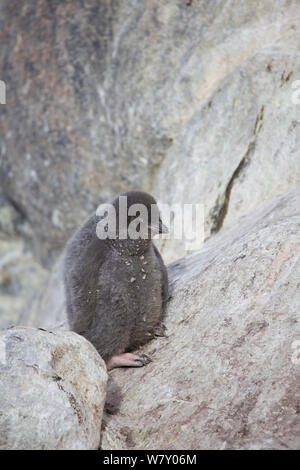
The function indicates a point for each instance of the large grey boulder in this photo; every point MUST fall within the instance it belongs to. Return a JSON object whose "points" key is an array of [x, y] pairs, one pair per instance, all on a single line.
{"points": [[192, 100], [228, 375], [52, 390]]}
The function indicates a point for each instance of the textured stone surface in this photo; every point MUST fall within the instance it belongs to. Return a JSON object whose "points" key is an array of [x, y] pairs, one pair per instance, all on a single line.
{"points": [[227, 376], [21, 276], [20, 273], [47, 309], [224, 378], [191, 99], [52, 390], [239, 145]]}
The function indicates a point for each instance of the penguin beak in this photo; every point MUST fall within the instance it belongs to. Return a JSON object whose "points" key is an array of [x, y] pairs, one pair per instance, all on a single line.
{"points": [[162, 227]]}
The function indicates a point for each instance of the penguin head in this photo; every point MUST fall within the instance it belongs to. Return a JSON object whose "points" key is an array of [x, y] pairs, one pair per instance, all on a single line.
{"points": [[138, 215]]}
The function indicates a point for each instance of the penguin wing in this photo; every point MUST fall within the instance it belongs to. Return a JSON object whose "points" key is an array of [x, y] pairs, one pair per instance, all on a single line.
{"points": [[84, 256]]}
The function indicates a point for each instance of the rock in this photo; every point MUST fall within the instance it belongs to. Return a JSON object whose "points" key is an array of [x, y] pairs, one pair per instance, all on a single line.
{"points": [[47, 309], [191, 100], [20, 273], [227, 376], [238, 147], [52, 390], [21, 276], [10, 218], [196, 102]]}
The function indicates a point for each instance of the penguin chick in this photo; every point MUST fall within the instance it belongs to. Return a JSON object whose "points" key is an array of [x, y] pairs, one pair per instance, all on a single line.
{"points": [[116, 288]]}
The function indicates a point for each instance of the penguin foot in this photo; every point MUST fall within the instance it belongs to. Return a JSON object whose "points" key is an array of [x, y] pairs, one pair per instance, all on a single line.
{"points": [[128, 360], [160, 330]]}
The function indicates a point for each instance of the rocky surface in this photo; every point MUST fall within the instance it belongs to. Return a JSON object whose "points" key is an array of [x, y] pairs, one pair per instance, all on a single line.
{"points": [[228, 375], [47, 309], [196, 102], [191, 100], [52, 390], [21, 275]]}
